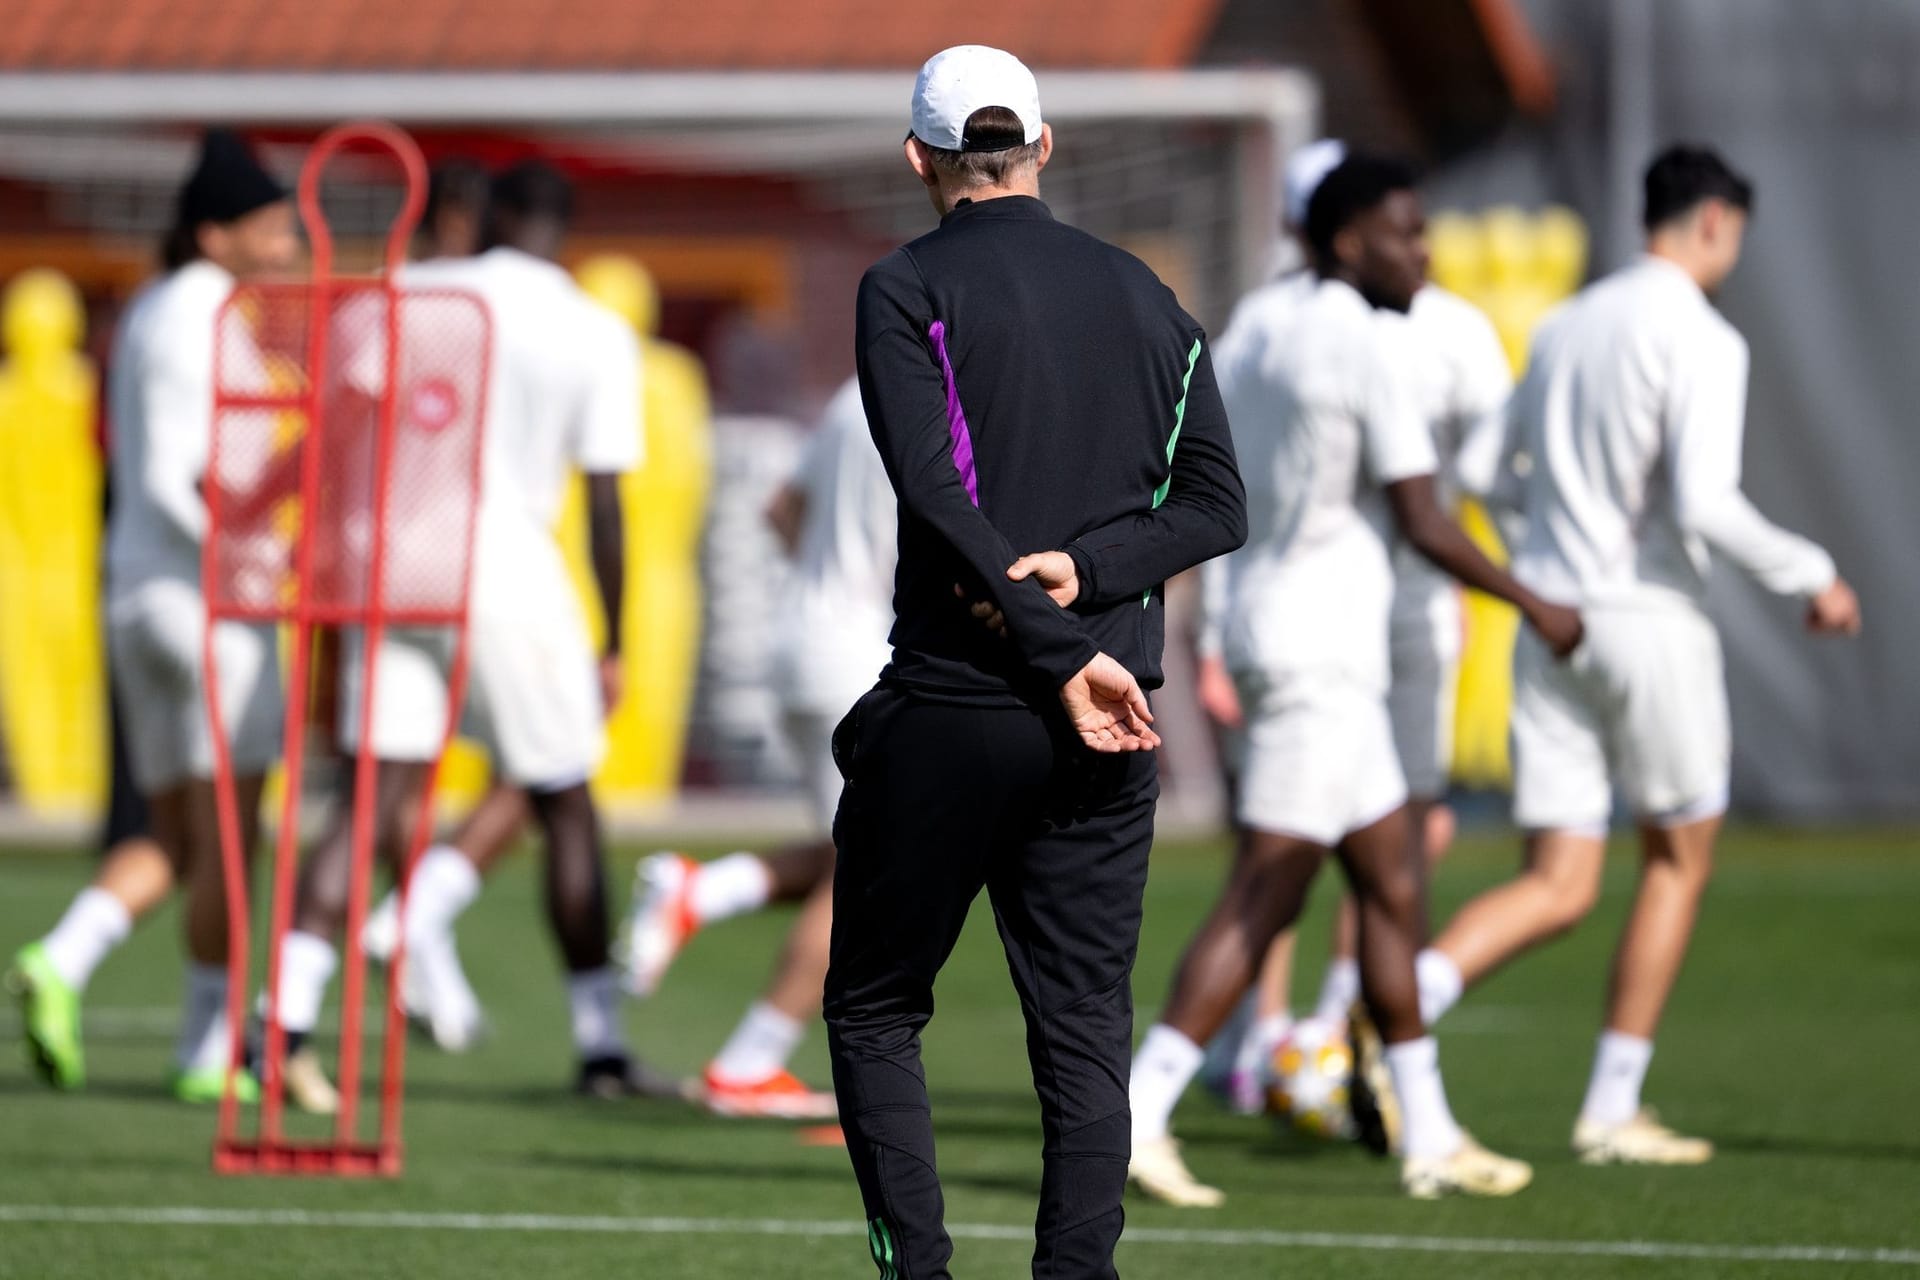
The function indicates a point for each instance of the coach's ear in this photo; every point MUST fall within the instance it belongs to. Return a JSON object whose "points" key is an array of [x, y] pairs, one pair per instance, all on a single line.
{"points": [[1046, 147], [921, 163]]}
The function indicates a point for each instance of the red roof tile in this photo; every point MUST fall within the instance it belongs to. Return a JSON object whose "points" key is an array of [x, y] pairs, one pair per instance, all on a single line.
{"points": [[581, 35]]}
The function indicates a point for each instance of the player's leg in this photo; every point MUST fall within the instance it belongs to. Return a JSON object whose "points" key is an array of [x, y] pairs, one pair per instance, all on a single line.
{"points": [[1068, 905], [927, 784], [1295, 772], [1438, 1158], [749, 1075], [205, 1043], [1562, 799], [446, 881], [1674, 751]]}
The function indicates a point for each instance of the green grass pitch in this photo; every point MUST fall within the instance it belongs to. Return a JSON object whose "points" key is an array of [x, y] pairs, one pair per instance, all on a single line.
{"points": [[1793, 1041]]}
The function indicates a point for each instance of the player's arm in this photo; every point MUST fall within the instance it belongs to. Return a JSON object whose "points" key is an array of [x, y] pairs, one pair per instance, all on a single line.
{"points": [[904, 393], [1706, 412], [1437, 536], [609, 431], [1199, 513], [176, 394], [1400, 457]]}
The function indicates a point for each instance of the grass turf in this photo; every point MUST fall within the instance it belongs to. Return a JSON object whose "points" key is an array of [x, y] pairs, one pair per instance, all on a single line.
{"points": [[1791, 1041]]}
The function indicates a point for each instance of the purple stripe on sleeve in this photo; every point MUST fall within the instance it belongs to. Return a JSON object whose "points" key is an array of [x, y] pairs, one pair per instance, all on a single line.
{"points": [[956, 416]]}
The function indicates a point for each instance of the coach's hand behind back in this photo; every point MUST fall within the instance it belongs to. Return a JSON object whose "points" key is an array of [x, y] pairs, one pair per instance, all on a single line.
{"points": [[1107, 708]]}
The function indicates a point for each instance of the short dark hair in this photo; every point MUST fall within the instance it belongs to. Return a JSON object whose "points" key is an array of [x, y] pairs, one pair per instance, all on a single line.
{"points": [[456, 182], [994, 144], [533, 189], [1357, 184], [1683, 176]]}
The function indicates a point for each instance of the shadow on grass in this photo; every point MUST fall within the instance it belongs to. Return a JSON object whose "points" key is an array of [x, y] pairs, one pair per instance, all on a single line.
{"points": [[1801, 1145], [833, 1172]]}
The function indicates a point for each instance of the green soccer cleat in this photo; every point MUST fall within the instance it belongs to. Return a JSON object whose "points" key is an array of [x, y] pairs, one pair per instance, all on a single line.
{"points": [[49, 1018], [202, 1086]]}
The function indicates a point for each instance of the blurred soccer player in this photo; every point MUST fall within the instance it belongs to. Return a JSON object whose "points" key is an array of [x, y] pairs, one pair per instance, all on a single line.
{"points": [[836, 517], [1330, 437], [1631, 415], [1460, 382], [233, 221], [564, 393]]}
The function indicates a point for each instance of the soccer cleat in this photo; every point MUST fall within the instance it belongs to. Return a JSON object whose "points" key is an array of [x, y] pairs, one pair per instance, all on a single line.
{"points": [[615, 1076], [438, 998], [660, 920], [1471, 1170], [780, 1096], [203, 1086], [1157, 1169], [1370, 1096], [307, 1086], [1641, 1140], [49, 1018]]}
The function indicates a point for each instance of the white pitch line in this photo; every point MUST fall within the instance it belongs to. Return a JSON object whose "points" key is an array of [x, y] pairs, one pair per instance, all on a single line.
{"points": [[1254, 1239]]}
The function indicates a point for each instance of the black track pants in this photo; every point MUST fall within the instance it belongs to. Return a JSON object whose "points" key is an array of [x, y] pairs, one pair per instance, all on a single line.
{"points": [[943, 798]]}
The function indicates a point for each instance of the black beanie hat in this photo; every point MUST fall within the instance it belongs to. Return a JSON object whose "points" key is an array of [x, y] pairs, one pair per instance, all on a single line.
{"points": [[227, 183]]}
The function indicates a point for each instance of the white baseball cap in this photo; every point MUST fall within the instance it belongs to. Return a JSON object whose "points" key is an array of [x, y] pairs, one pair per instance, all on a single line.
{"points": [[959, 81], [1306, 168]]}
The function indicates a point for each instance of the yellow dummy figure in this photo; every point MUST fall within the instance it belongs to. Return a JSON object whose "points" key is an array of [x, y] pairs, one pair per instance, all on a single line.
{"points": [[52, 679], [664, 502]]}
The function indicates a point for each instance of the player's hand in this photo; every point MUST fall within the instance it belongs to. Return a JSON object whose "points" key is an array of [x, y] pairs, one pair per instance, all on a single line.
{"points": [[1558, 625], [1107, 708], [1835, 610], [613, 682], [1219, 697], [1053, 570]]}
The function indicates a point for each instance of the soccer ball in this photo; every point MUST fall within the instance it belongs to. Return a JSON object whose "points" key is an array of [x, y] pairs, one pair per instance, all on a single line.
{"points": [[1307, 1081]]}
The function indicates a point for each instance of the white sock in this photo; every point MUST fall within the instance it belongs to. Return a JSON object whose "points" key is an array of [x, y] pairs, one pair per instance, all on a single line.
{"points": [[1165, 1065], [730, 886], [759, 1046], [1619, 1069], [1256, 1047], [94, 924], [306, 967], [1427, 1125], [444, 884], [1440, 984], [1338, 990], [593, 1002], [204, 1040]]}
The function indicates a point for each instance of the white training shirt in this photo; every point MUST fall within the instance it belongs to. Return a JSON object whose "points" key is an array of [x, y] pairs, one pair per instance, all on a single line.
{"points": [[160, 415], [563, 393], [1462, 383], [1324, 414], [1632, 412], [838, 605]]}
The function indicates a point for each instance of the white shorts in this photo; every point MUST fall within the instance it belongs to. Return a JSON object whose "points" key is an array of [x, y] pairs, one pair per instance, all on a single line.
{"points": [[811, 735], [533, 690], [410, 697], [154, 637], [1420, 703], [1641, 704], [1320, 762]]}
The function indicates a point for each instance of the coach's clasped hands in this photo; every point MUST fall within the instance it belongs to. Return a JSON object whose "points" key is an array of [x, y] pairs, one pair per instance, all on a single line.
{"points": [[1103, 701]]}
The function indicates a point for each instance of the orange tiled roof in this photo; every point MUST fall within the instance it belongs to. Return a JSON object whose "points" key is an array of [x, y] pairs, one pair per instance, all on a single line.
{"points": [[585, 35]]}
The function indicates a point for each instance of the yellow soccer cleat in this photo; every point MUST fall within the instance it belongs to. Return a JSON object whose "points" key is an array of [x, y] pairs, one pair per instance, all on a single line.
{"points": [[307, 1085], [1641, 1140], [1158, 1170], [1471, 1170]]}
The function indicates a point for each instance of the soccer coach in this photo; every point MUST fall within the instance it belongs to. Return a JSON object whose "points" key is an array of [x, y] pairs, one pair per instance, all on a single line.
{"points": [[1031, 389]]}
